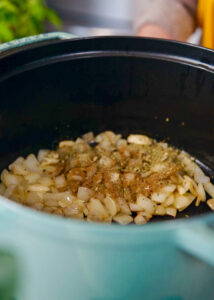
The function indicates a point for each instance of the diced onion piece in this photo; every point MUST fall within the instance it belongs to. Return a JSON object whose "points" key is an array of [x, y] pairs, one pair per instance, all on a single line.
{"points": [[188, 163], [183, 201], [32, 163], [159, 197], [201, 194], [124, 208], [38, 206], [38, 188], [168, 188], [160, 210], [67, 143], [45, 180], [139, 139], [78, 216], [134, 207], [184, 187], [73, 209], [89, 136], [121, 143], [76, 178], [210, 203], [66, 200], [42, 154], [171, 211], [96, 210], [32, 177], [84, 193], [8, 192], [33, 198], [158, 167], [10, 179], [140, 219], [169, 201], [209, 188], [111, 205], [114, 177], [60, 181], [18, 167], [63, 198], [164, 145], [146, 204], [19, 160], [106, 162], [123, 219], [146, 215], [128, 178], [199, 175], [146, 174]]}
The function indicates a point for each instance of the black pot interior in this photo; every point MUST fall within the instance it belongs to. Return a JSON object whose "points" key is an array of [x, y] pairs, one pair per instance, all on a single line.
{"points": [[128, 85]]}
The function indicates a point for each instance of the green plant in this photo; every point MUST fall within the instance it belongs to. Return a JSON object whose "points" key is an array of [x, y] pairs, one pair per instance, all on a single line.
{"points": [[20, 18]]}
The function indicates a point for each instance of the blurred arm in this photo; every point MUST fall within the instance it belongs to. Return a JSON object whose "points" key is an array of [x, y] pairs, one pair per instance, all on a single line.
{"points": [[170, 19]]}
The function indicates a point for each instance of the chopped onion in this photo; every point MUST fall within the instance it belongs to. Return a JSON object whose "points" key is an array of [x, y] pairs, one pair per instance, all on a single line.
{"points": [[96, 211], [139, 139], [111, 205], [210, 203], [84, 193], [140, 219], [60, 181], [171, 211], [160, 210], [42, 154], [37, 188], [159, 197], [32, 163], [209, 188], [183, 201], [123, 219]]}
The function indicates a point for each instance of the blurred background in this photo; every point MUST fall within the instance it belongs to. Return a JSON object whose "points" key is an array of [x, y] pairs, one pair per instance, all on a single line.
{"points": [[20, 18], [93, 17]]}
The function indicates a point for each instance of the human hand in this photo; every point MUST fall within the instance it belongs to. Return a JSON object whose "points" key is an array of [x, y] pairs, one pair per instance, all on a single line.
{"points": [[155, 31]]}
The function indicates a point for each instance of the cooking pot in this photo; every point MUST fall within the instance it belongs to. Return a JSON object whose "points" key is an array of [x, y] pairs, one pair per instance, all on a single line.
{"points": [[57, 89]]}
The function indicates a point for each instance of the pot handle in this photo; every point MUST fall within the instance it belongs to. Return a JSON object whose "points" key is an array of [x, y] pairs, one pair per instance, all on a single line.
{"points": [[198, 241], [35, 39], [8, 275]]}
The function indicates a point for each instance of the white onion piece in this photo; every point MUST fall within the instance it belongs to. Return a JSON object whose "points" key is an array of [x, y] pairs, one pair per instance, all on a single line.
{"points": [[159, 197], [209, 188], [38, 188], [111, 205], [140, 219], [32, 163], [96, 211], [170, 200], [171, 211], [123, 219], [183, 201], [10, 179], [139, 139], [42, 154], [84, 193], [60, 181], [160, 210], [210, 203]]}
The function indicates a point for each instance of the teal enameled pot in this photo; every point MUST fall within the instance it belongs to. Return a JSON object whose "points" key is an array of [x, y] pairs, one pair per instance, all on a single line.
{"points": [[54, 87]]}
